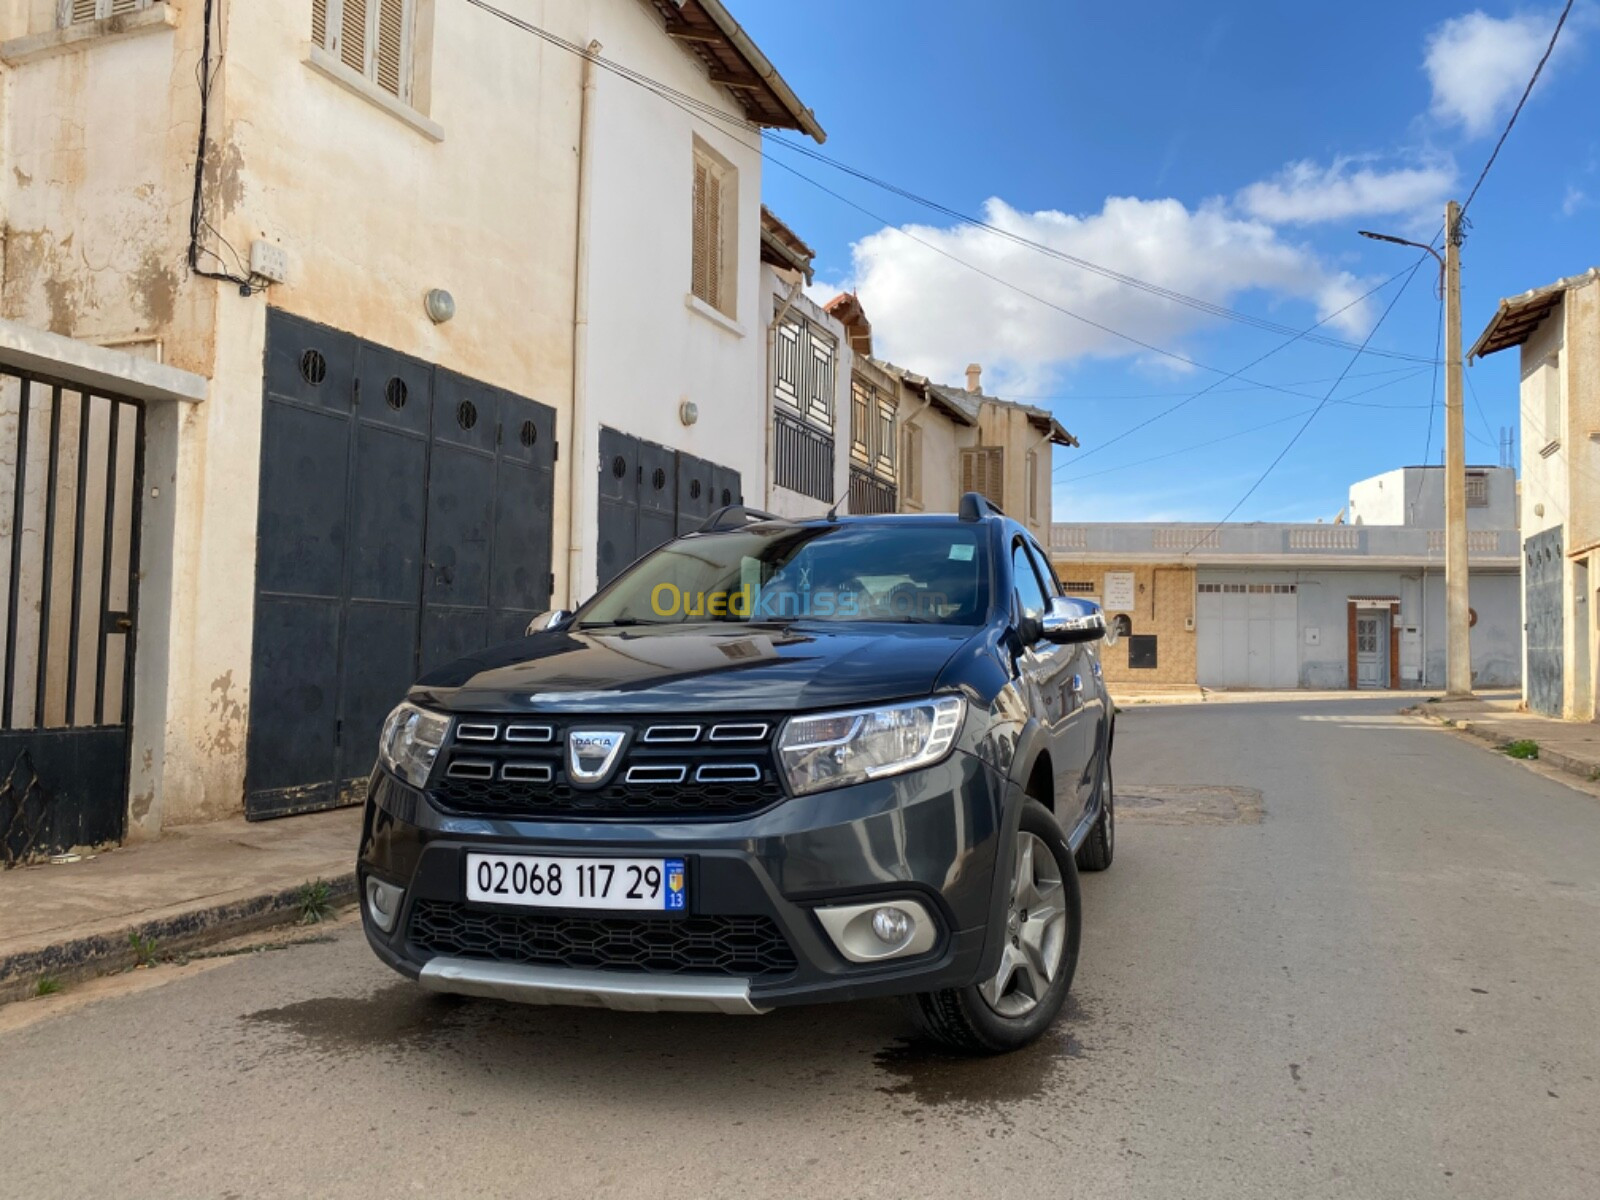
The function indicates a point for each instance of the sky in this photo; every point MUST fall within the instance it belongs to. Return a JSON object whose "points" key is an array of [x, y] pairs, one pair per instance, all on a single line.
{"points": [[1225, 151]]}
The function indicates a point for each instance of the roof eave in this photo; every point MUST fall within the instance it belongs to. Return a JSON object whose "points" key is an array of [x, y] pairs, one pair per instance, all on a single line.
{"points": [[805, 120]]}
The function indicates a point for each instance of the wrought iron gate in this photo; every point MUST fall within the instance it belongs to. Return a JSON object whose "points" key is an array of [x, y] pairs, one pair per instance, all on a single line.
{"points": [[1541, 581], [71, 480], [405, 522], [650, 494]]}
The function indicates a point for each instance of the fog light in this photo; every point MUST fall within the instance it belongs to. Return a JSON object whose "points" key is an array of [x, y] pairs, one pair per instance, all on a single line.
{"points": [[383, 903], [892, 925], [869, 932]]}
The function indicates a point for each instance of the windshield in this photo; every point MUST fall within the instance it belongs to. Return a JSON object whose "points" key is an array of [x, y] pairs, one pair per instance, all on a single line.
{"points": [[932, 574]]}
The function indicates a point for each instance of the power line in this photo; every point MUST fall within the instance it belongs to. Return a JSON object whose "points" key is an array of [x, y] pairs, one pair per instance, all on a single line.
{"points": [[1193, 446], [1478, 404], [1095, 397], [707, 111], [1433, 398], [1132, 429], [1250, 491], [1526, 92]]}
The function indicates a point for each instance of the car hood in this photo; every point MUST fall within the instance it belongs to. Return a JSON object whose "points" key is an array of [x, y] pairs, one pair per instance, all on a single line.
{"points": [[730, 668]]}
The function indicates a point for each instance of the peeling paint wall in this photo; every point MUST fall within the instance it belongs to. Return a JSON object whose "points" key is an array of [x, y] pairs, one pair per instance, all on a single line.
{"points": [[371, 211], [97, 146]]}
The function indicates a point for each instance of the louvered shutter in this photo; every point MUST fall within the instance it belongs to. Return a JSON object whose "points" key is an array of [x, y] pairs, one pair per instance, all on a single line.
{"points": [[714, 237], [353, 34], [118, 7], [982, 471], [319, 23], [389, 59], [700, 283], [84, 10]]}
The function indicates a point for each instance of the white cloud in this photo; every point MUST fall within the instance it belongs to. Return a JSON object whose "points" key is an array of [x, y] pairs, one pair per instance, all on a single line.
{"points": [[1478, 64], [1304, 192], [1574, 202], [934, 315]]}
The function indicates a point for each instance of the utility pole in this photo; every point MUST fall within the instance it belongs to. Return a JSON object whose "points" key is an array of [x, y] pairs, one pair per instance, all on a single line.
{"points": [[1457, 611], [1458, 652]]}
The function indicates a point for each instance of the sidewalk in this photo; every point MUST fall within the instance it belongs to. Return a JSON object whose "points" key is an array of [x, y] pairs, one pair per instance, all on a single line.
{"points": [[197, 884], [1570, 746]]}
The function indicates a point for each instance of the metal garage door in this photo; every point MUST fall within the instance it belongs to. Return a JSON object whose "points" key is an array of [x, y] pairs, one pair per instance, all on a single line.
{"points": [[650, 494], [1541, 580], [404, 521], [1248, 634]]}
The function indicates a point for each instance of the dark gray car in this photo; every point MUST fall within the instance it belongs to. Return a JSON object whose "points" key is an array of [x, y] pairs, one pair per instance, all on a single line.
{"points": [[774, 762]]}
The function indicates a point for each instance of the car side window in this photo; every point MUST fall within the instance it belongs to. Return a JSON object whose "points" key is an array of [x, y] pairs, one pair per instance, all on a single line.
{"points": [[1030, 592], [1047, 573]]}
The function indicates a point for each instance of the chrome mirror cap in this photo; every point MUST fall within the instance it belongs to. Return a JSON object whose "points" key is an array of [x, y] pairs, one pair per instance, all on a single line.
{"points": [[554, 619], [1070, 619]]}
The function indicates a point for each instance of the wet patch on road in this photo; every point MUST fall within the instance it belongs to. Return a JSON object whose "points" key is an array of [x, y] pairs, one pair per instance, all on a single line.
{"points": [[936, 1077], [1184, 805], [398, 1016]]}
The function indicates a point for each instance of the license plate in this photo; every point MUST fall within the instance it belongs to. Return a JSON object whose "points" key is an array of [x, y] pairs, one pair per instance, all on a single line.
{"points": [[606, 884]]}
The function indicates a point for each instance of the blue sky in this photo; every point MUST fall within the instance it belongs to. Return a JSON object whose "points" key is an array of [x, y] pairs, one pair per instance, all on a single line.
{"points": [[1225, 151]]}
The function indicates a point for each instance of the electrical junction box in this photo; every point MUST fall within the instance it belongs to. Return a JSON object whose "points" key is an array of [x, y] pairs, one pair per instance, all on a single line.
{"points": [[268, 260]]}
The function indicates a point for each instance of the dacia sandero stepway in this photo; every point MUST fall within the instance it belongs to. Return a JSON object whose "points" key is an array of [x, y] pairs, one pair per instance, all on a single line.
{"points": [[773, 762]]}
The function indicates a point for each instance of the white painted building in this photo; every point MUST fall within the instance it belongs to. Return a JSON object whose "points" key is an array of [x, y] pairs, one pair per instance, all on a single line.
{"points": [[1557, 331], [1291, 605], [337, 481]]}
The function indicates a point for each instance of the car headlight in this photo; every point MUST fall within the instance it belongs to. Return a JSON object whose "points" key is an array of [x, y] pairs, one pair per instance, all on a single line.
{"points": [[836, 749], [410, 742]]}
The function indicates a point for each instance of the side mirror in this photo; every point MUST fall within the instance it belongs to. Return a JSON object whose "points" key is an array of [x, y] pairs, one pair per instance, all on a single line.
{"points": [[554, 619], [1069, 619]]}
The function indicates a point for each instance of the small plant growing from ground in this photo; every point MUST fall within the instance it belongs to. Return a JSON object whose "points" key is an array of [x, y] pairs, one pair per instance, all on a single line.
{"points": [[48, 985], [316, 902], [1522, 748], [144, 949], [1594, 774]]}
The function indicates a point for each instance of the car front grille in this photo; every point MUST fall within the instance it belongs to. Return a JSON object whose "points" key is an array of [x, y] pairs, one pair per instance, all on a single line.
{"points": [[741, 946], [669, 767]]}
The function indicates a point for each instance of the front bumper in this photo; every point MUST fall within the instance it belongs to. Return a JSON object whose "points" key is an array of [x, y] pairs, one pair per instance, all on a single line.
{"points": [[931, 836]]}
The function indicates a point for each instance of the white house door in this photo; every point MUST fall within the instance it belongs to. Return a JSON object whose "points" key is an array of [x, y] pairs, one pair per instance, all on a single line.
{"points": [[1248, 635], [1372, 650]]}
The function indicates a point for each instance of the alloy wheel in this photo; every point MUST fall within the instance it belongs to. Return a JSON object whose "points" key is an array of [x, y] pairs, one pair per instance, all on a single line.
{"points": [[1036, 927]]}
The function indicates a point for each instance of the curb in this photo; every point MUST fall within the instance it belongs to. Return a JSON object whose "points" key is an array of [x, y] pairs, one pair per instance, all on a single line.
{"points": [[1582, 768], [102, 953]]}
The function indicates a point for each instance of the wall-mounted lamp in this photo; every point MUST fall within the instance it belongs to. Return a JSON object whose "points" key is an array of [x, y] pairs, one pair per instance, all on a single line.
{"points": [[440, 305], [688, 412]]}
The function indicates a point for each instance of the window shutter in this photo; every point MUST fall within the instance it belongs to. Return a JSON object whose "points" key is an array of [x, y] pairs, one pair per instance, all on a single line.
{"points": [[118, 7], [389, 64], [714, 237], [83, 10], [700, 283], [319, 23], [353, 35], [983, 471]]}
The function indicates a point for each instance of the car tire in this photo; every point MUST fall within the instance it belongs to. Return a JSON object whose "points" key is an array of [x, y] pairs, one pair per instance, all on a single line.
{"points": [[1097, 849], [1007, 1012]]}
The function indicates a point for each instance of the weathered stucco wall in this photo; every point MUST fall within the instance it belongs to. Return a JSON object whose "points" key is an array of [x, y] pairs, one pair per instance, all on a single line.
{"points": [[99, 147]]}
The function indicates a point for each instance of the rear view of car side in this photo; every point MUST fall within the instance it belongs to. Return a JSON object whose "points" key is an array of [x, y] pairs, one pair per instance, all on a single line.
{"points": [[773, 763]]}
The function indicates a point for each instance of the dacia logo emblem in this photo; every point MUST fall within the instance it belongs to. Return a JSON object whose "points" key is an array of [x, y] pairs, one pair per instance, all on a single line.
{"points": [[591, 753]]}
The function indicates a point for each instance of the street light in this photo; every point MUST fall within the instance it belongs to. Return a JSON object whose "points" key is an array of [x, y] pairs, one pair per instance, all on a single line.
{"points": [[1458, 658]]}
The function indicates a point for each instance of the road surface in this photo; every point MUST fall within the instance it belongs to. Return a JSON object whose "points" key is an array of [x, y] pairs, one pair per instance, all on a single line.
{"points": [[1339, 954]]}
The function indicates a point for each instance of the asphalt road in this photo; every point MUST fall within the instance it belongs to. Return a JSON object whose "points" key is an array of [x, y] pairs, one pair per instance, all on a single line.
{"points": [[1339, 954]]}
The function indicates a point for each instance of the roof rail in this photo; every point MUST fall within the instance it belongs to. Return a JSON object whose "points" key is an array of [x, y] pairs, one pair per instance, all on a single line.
{"points": [[733, 516], [975, 506]]}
